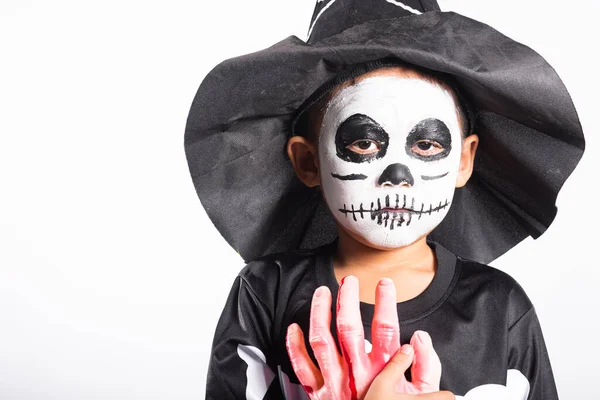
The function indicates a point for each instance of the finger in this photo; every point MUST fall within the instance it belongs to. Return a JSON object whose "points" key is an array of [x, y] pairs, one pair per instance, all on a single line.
{"points": [[320, 338], [306, 371], [385, 330], [426, 370], [394, 371], [349, 324], [443, 395]]}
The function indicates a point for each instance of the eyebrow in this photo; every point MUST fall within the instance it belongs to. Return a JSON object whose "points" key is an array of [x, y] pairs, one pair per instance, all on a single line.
{"points": [[430, 129], [431, 178], [351, 177]]}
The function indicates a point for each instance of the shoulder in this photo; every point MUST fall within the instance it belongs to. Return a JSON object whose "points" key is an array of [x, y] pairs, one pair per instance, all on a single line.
{"points": [[495, 285], [287, 268]]}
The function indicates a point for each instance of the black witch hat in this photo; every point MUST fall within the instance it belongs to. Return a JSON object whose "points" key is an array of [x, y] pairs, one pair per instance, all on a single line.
{"points": [[244, 111]]}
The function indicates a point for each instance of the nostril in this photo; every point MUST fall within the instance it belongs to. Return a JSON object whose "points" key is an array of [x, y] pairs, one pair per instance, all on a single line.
{"points": [[396, 174]]}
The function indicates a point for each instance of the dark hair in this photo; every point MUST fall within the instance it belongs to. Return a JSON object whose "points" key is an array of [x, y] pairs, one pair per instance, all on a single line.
{"points": [[309, 119]]}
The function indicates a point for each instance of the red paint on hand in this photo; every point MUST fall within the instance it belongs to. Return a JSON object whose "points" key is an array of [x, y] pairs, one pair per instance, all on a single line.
{"points": [[348, 376]]}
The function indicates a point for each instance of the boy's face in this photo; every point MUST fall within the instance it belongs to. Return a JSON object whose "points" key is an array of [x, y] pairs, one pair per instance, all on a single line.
{"points": [[389, 153]]}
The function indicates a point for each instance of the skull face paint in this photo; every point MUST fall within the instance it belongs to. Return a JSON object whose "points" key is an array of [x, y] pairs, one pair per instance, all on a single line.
{"points": [[389, 152]]}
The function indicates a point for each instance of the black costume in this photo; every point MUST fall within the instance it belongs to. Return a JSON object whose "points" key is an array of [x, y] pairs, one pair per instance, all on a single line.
{"points": [[481, 322]]}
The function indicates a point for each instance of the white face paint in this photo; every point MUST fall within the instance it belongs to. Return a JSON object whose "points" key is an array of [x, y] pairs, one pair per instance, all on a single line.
{"points": [[389, 151]]}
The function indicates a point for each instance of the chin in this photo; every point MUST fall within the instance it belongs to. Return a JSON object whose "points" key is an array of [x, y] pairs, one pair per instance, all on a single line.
{"points": [[386, 241]]}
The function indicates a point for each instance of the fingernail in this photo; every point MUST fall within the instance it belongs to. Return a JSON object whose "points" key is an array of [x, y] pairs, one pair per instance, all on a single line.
{"points": [[293, 328], [406, 349], [386, 282], [423, 337], [350, 277], [320, 291]]}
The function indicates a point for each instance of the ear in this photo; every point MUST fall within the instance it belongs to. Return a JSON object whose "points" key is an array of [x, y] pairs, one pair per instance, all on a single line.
{"points": [[467, 158], [303, 155]]}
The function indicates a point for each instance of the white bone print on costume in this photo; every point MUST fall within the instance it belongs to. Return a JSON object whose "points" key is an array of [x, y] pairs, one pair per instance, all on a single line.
{"points": [[517, 388], [258, 376]]}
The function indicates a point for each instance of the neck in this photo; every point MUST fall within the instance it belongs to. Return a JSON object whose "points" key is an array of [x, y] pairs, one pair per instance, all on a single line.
{"points": [[352, 254]]}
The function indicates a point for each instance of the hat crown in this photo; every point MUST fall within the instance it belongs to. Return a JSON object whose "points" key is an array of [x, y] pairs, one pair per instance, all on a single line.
{"points": [[334, 16]]}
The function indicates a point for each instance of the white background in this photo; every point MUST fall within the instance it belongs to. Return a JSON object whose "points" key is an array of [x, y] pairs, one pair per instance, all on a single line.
{"points": [[111, 276]]}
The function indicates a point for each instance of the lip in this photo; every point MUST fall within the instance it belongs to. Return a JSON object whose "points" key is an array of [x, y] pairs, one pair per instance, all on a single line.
{"points": [[393, 217], [396, 210], [391, 211]]}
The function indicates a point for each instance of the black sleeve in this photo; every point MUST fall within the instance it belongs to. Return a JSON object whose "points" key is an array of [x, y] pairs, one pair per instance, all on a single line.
{"points": [[238, 367], [528, 355]]}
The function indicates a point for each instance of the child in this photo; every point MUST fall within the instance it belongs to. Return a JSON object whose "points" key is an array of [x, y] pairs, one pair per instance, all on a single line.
{"points": [[403, 138], [389, 144]]}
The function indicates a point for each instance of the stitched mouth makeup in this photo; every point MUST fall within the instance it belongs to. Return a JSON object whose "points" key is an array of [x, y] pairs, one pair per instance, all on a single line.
{"points": [[388, 213]]}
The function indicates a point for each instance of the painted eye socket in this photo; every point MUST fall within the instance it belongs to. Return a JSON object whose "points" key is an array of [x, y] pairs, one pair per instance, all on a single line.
{"points": [[427, 148], [429, 140], [360, 139], [364, 146]]}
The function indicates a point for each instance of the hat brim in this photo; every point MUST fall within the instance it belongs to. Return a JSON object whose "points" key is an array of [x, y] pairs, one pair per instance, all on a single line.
{"points": [[240, 120]]}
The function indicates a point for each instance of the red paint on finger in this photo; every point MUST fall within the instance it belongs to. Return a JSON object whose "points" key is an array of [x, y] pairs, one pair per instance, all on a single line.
{"points": [[337, 303], [309, 391], [353, 386]]}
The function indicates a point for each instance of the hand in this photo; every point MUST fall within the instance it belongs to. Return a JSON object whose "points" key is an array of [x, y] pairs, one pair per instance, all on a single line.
{"points": [[348, 377], [384, 387]]}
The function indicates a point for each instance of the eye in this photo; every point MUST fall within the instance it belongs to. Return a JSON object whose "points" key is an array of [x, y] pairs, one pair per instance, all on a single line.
{"points": [[427, 148], [361, 139], [429, 140], [364, 146]]}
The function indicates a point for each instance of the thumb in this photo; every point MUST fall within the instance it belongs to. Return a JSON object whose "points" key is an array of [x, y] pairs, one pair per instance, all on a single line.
{"points": [[398, 364], [391, 375]]}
